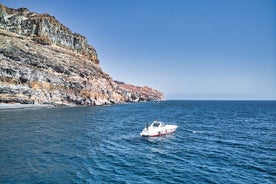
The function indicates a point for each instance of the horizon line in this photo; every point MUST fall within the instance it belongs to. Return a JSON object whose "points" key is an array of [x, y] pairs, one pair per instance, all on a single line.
{"points": [[219, 100]]}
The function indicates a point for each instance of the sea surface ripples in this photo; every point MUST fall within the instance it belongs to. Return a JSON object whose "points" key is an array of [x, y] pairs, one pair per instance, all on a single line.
{"points": [[216, 142]]}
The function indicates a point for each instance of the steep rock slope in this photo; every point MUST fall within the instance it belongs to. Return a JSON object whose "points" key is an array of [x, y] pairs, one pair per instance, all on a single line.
{"points": [[42, 61]]}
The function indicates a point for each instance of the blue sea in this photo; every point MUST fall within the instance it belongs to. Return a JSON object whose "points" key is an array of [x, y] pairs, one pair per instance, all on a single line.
{"points": [[216, 142]]}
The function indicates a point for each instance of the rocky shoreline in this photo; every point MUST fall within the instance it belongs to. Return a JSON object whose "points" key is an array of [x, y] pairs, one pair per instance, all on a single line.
{"points": [[43, 62], [10, 106]]}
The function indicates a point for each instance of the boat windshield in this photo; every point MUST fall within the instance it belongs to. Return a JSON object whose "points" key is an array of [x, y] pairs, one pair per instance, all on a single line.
{"points": [[156, 124]]}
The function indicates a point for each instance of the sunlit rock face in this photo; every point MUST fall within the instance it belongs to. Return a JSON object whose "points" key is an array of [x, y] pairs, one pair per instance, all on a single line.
{"points": [[42, 61]]}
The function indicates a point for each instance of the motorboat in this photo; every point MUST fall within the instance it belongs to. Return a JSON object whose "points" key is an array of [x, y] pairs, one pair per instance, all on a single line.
{"points": [[158, 128]]}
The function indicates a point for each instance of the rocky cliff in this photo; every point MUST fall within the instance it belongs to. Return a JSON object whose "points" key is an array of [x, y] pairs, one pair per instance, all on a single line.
{"points": [[42, 61]]}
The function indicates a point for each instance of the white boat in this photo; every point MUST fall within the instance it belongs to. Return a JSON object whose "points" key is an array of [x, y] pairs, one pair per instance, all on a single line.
{"points": [[158, 128]]}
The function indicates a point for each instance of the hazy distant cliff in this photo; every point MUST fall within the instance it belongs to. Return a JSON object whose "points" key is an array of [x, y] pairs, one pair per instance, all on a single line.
{"points": [[42, 61]]}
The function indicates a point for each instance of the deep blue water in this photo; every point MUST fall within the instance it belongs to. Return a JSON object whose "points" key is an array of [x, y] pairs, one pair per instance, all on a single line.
{"points": [[216, 142]]}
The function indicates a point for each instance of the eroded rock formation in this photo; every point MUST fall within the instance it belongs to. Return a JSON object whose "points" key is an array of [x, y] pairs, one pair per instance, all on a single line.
{"points": [[42, 61]]}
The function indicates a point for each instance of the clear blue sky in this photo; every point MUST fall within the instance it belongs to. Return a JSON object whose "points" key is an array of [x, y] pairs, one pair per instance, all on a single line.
{"points": [[188, 49]]}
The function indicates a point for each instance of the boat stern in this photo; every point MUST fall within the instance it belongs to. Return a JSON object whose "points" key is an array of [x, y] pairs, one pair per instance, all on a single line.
{"points": [[145, 133]]}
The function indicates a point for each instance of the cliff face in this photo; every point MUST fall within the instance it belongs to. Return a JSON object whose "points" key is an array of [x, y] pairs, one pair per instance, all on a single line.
{"points": [[42, 61], [44, 29]]}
